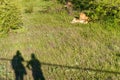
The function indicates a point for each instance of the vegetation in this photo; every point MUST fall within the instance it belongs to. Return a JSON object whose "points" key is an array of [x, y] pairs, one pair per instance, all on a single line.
{"points": [[66, 51], [10, 16], [97, 9]]}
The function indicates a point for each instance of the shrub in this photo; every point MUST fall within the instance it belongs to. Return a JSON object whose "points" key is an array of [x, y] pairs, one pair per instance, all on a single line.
{"points": [[10, 16], [104, 11], [98, 9]]}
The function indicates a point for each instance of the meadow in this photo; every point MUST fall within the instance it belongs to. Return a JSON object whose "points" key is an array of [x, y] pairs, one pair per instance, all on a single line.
{"points": [[66, 51]]}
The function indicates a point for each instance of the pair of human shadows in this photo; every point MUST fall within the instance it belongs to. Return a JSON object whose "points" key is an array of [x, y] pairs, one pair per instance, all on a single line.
{"points": [[20, 70]]}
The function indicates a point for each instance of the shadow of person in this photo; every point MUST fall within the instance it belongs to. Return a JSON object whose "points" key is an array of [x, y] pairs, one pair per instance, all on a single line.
{"points": [[17, 66], [35, 66]]}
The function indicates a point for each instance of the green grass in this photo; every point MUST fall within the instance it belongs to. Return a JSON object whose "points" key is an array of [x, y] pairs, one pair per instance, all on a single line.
{"points": [[55, 40]]}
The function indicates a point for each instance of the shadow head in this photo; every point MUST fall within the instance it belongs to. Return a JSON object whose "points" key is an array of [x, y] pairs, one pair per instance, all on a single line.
{"points": [[18, 53], [33, 56]]}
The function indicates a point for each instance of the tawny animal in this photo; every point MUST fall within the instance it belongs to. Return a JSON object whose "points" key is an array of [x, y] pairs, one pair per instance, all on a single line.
{"points": [[82, 19], [68, 7]]}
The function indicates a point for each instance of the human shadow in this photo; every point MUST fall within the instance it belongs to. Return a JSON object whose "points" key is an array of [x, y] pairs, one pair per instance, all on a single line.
{"points": [[35, 66], [17, 66]]}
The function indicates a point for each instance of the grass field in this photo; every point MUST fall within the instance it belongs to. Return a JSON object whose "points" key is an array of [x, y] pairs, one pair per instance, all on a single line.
{"points": [[66, 51]]}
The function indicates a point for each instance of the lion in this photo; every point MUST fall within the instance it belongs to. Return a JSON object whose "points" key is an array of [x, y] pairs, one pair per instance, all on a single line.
{"points": [[82, 19]]}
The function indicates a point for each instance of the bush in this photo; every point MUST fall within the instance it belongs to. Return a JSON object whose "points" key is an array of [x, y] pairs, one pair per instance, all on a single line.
{"points": [[10, 16], [98, 9], [104, 11]]}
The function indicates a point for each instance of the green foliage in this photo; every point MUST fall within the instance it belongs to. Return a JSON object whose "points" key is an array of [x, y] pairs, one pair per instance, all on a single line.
{"points": [[103, 11], [98, 9], [10, 16]]}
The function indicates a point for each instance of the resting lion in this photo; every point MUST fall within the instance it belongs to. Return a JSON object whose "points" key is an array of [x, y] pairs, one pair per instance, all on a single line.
{"points": [[82, 19]]}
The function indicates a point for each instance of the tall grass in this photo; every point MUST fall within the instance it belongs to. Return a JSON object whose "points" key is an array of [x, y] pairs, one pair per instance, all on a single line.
{"points": [[10, 16]]}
